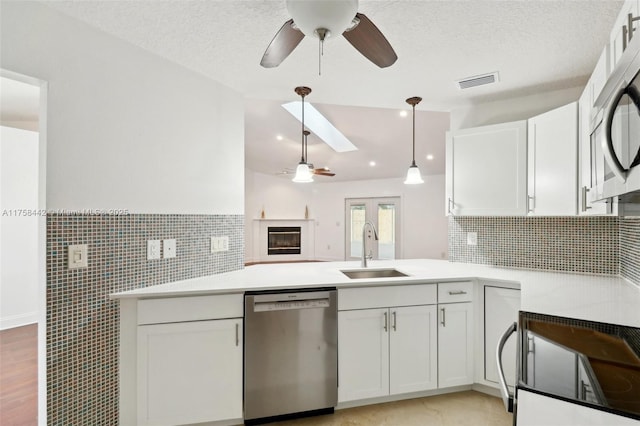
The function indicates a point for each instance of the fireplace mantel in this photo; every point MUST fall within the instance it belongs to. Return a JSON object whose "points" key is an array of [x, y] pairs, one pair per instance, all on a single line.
{"points": [[260, 241]]}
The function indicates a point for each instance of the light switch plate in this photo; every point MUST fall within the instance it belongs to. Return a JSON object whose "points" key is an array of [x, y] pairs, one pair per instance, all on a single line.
{"points": [[169, 248], [472, 238], [77, 256], [153, 249]]}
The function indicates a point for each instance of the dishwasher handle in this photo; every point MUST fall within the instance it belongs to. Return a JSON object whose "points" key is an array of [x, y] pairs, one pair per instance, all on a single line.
{"points": [[507, 397], [292, 301]]}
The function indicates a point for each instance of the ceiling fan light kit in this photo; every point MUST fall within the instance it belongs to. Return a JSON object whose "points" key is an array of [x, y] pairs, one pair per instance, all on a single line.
{"points": [[328, 19], [413, 174]]}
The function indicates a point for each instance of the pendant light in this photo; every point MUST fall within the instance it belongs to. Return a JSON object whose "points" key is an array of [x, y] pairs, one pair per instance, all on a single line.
{"points": [[303, 172], [413, 174]]}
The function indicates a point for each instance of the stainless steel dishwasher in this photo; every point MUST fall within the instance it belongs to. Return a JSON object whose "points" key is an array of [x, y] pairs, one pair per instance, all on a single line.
{"points": [[290, 354]]}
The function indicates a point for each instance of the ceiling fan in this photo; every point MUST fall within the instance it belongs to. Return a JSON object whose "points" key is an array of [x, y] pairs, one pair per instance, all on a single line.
{"points": [[324, 19], [322, 171]]}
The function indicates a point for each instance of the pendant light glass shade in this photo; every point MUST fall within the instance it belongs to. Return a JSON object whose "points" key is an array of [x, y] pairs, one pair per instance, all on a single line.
{"points": [[303, 174], [413, 174]]}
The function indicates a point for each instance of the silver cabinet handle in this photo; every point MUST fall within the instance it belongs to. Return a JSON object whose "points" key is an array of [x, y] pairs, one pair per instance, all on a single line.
{"points": [[386, 322], [626, 36], [457, 292], [507, 398], [395, 319], [585, 207], [443, 317], [449, 206], [630, 20], [237, 334]]}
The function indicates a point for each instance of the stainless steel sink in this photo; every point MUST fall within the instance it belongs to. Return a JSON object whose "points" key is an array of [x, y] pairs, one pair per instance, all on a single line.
{"points": [[373, 273]]}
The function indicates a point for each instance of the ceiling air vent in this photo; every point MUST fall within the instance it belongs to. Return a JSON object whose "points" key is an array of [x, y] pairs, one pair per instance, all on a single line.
{"points": [[478, 80]]}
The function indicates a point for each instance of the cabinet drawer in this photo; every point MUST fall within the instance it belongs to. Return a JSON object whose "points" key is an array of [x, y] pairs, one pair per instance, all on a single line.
{"points": [[387, 296], [196, 308], [461, 291]]}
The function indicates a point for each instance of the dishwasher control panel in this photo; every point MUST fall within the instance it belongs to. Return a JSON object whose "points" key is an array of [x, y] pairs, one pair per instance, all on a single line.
{"points": [[290, 305]]}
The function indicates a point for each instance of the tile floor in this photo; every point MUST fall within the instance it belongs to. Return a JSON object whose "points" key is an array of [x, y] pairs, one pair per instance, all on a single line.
{"points": [[467, 408]]}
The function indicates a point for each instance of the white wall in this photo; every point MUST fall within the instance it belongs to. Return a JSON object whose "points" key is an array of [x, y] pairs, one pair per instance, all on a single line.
{"points": [[512, 109], [424, 225], [18, 229], [126, 129]]}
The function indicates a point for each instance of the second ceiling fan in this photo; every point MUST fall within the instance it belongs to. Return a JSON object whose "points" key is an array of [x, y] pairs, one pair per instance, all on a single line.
{"points": [[324, 19]]}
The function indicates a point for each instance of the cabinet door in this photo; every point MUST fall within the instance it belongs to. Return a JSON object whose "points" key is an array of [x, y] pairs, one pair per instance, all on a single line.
{"points": [[585, 159], [486, 173], [553, 162], [617, 37], [363, 354], [189, 372], [413, 339], [455, 344], [501, 306]]}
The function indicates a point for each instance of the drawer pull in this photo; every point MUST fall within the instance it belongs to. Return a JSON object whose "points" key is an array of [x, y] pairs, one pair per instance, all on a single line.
{"points": [[457, 292]]}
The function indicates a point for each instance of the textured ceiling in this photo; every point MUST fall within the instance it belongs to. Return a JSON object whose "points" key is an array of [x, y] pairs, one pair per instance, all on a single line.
{"points": [[534, 45]]}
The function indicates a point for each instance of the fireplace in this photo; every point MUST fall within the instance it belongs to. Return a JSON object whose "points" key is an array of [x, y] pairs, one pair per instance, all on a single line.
{"points": [[283, 240]]}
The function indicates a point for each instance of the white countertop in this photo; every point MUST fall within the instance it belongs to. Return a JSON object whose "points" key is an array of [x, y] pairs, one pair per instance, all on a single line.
{"points": [[602, 298]]}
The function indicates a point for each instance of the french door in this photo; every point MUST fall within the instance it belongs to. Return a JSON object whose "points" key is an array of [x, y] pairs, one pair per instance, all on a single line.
{"points": [[384, 213]]}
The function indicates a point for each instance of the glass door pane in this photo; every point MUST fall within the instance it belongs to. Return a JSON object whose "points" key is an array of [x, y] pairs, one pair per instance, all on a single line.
{"points": [[357, 217], [386, 231]]}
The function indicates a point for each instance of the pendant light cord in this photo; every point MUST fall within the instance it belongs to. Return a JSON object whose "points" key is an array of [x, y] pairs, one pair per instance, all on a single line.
{"points": [[413, 158], [303, 138]]}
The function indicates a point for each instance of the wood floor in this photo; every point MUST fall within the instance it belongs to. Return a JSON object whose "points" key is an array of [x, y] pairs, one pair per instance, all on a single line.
{"points": [[19, 376], [467, 408]]}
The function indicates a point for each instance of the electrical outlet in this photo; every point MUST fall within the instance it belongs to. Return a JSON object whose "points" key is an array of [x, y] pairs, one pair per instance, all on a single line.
{"points": [[153, 249], [219, 244], [77, 256], [472, 238], [169, 248]]}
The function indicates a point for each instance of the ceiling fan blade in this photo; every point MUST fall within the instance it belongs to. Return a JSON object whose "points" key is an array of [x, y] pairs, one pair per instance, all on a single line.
{"points": [[323, 171], [285, 40], [369, 41]]}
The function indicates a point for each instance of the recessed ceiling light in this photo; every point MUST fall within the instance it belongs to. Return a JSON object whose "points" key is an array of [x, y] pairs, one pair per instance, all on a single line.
{"points": [[403, 113], [279, 137], [429, 157], [372, 163]]}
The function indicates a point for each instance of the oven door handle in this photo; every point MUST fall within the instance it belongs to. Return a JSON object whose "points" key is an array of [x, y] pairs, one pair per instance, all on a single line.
{"points": [[507, 397]]}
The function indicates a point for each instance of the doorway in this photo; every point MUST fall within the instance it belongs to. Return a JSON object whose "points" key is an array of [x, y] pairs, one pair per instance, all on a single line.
{"points": [[23, 248], [384, 213]]}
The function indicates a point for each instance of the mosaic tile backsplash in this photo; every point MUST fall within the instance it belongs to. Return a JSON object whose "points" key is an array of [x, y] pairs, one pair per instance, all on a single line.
{"points": [[570, 244], [82, 323], [630, 249]]}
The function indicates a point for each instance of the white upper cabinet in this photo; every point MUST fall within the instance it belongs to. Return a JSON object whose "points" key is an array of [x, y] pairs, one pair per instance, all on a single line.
{"points": [[487, 170], [552, 157], [586, 159], [620, 33]]}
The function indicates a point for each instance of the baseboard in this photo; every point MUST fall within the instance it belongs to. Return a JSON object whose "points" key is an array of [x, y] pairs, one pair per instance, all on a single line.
{"points": [[18, 320], [403, 396]]}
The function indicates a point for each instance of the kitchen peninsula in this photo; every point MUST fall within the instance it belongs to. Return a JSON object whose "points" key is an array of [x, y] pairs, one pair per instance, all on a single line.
{"points": [[214, 305]]}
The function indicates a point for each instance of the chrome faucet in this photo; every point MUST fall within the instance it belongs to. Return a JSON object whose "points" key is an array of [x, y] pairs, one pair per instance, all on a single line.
{"points": [[363, 262]]}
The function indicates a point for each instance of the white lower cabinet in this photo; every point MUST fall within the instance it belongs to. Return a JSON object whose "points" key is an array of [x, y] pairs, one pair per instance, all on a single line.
{"points": [[189, 372], [455, 344], [501, 306], [386, 351]]}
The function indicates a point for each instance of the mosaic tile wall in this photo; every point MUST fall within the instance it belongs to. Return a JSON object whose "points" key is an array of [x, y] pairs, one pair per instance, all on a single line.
{"points": [[82, 323], [630, 249], [571, 244]]}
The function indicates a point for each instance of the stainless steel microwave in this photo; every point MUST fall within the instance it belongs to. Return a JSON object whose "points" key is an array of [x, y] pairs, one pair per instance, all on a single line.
{"points": [[615, 139]]}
